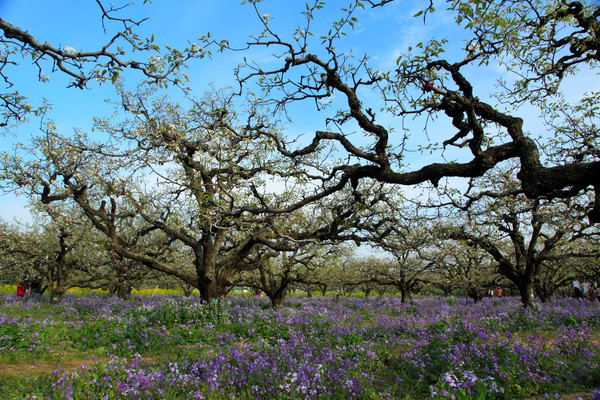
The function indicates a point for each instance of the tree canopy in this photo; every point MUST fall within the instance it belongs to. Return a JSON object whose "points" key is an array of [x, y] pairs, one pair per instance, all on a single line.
{"points": [[537, 44], [224, 177]]}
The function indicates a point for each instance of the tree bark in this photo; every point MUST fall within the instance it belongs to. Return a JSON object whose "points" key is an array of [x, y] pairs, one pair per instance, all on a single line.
{"points": [[526, 292], [404, 295], [277, 298]]}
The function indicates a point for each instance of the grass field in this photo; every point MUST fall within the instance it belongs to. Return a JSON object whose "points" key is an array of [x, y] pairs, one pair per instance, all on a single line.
{"points": [[171, 347]]}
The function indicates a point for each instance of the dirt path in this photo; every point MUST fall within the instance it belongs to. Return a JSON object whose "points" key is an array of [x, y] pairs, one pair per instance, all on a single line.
{"points": [[29, 370]]}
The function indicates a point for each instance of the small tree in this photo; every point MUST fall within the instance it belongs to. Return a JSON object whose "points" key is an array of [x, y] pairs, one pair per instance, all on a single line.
{"points": [[524, 237], [60, 249], [276, 273], [459, 266]]}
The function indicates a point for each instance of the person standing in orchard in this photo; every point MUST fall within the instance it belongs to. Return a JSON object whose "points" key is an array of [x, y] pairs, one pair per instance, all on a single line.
{"points": [[21, 290]]}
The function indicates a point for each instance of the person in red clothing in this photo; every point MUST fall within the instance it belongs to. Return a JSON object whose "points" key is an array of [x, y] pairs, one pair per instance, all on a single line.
{"points": [[20, 290]]}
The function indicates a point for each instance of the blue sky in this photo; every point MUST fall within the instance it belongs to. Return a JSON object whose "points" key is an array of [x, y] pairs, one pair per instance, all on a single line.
{"points": [[77, 24]]}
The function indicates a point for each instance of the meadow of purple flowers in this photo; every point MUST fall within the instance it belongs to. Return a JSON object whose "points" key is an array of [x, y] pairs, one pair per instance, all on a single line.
{"points": [[171, 347]]}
